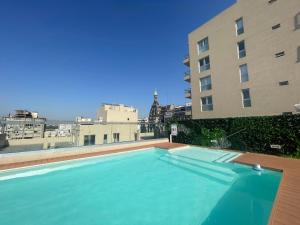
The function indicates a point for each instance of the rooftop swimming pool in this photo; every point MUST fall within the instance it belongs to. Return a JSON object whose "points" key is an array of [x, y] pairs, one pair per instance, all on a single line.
{"points": [[188, 186]]}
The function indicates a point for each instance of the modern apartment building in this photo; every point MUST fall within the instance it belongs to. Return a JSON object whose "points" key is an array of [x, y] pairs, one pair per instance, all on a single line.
{"points": [[246, 61]]}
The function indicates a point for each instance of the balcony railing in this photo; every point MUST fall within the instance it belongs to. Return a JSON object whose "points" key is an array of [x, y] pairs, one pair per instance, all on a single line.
{"points": [[247, 103], [186, 60], [203, 48], [205, 87], [188, 93], [242, 53], [240, 30], [205, 67], [187, 76], [208, 107]]}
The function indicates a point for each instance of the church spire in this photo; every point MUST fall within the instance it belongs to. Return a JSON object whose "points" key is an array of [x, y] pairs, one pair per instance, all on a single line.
{"points": [[155, 94]]}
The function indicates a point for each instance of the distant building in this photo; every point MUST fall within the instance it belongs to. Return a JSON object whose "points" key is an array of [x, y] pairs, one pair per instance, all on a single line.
{"points": [[62, 130], [23, 125], [81, 119], [117, 113], [183, 112], [114, 123], [144, 126], [162, 114]]}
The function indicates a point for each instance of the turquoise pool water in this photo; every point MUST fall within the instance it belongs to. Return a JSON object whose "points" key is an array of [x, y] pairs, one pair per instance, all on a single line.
{"points": [[192, 186]]}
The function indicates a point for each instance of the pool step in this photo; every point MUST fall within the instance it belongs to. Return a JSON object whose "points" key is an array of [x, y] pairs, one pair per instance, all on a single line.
{"points": [[232, 158], [206, 169], [226, 158], [202, 163]]}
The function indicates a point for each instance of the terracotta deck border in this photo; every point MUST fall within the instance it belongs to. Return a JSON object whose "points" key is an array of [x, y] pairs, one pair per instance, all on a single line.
{"points": [[286, 207], [163, 145]]}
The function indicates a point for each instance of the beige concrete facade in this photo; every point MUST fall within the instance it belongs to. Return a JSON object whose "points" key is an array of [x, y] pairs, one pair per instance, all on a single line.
{"points": [[114, 123], [125, 132], [117, 113], [272, 39]]}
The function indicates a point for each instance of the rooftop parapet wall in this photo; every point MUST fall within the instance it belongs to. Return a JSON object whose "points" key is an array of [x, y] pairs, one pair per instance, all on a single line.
{"points": [[76, 152]]}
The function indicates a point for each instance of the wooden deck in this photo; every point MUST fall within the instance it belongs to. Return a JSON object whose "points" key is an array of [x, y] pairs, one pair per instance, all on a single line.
{"points": [[165, 145], [286, 208]]}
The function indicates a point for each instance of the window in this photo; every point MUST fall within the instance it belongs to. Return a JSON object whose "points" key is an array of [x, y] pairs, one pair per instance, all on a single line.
{"points": [[279, 54], [116, 137], [105, 139], [246, 98], [239, 26], [283, 83], [203, 45], [276, 26], [297, 21], [89, 140], [298, 54], [205, 83], [206, 104], [241, 49], [244, 73], [204, 64]]}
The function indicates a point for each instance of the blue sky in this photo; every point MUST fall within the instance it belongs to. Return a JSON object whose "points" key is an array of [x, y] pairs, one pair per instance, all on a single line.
{"points": [[63, 58]]}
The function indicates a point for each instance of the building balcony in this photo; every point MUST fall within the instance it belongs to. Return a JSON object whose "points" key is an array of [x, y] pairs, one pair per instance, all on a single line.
{"points": [[187, 76], [186, 60], [188, 93]]}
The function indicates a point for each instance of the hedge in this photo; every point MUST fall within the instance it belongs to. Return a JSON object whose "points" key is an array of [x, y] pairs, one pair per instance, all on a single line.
{"points": [[249, 133]]}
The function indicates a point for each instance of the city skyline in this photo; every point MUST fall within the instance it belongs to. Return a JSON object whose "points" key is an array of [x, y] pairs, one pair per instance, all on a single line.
{"points": [[64, 60]]}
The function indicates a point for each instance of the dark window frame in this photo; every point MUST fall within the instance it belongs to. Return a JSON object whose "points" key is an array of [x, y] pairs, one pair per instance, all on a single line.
{"points": [[284, 83], [297, 21], [276, 26], [280, 54], [271, 1]]}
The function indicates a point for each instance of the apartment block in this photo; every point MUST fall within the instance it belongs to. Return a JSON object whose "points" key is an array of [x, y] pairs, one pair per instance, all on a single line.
{"points": [[114, 123], [246, 61], [23, 125], [117, 113]]}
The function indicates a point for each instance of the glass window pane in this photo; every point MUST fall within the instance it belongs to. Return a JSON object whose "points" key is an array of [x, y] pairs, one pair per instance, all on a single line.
{"points": [[241, 45], [244, 73], [207, 104], [204, 64], [246, 98], [205, 83], [203, 45], [239, 26], [246, 93], [241, 49]]}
